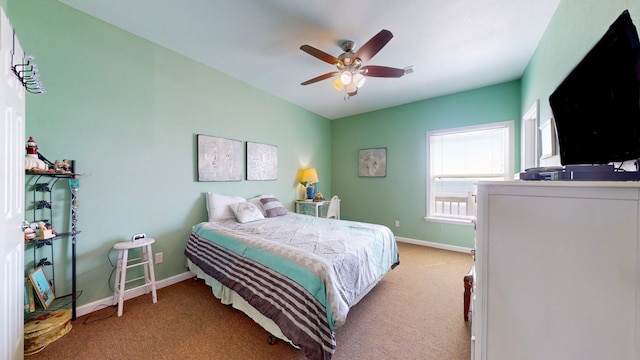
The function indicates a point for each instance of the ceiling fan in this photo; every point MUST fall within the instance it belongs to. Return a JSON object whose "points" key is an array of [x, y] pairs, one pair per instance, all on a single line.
{"points": [[351, 73]]}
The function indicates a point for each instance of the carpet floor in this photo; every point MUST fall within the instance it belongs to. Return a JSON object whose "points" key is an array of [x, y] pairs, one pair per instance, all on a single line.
{"points": [[415, 312]]}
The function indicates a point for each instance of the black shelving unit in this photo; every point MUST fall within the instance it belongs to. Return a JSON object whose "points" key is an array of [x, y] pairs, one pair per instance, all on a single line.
{"points": [[41, 185]]}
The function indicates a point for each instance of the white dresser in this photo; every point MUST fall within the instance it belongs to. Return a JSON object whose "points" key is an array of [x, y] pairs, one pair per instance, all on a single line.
{"points": [[557, 274]]}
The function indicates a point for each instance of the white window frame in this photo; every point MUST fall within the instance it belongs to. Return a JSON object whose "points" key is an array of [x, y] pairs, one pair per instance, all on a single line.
{"points": [[507, 174]]}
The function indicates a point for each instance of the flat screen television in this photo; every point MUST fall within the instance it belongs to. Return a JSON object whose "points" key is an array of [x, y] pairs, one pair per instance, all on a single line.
{"points": [[597, 106]]}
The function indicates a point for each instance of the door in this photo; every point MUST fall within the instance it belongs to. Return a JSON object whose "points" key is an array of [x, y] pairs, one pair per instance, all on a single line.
{"points": [[12, 140]]}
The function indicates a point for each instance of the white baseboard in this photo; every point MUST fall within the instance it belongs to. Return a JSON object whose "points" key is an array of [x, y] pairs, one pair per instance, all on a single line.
{"points": [[106, 302], [461, 249]]}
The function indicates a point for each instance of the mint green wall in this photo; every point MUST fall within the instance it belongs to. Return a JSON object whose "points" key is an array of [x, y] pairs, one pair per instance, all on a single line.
{"points": [[574, 29], [402, 130], [128, 111]]}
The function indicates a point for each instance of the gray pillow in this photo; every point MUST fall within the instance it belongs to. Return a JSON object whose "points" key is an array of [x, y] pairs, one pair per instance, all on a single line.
{"points": [[272, 207]]}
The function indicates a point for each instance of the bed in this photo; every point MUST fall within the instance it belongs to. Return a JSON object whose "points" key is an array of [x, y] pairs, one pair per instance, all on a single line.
{"points": [[295, 275]]}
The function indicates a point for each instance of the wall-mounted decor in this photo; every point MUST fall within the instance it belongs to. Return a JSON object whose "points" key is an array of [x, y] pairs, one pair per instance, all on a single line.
{"points": [[529, 138], [262, 161], [547, 139], [372, 162], [219, 159], [42, 287]]}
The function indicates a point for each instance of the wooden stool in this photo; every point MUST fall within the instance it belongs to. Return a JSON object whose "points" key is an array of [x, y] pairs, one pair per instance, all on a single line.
{"points": [[468, 286], [145, 260]]}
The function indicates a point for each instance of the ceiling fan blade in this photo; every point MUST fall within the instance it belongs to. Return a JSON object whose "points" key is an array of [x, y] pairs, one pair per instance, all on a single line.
{"points": [[382, 71], [320, 54], [371, 47], [320, 78]]}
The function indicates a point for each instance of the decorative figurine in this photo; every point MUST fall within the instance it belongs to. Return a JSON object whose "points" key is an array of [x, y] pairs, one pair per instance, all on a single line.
{"points": [[32, 147], [65, 166], [45, 232], [29, 234], [32, 162]]}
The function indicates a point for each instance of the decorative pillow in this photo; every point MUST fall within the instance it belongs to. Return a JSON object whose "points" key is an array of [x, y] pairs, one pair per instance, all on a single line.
{"points": [[258, 204], [218, 206], [273, 207], [246, 212]]}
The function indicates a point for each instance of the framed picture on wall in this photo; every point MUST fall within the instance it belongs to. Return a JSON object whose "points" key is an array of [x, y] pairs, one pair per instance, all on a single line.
{"points": [[529, 138], [372, 162], [547, 139], [262, 161], [219, 159]]}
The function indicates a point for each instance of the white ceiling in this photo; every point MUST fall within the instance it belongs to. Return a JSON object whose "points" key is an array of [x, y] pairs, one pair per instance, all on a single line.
{"points": [[453, 45]]}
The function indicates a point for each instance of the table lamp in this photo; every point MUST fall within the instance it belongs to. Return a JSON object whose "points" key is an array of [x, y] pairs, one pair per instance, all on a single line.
{"points": [[309, 176]]}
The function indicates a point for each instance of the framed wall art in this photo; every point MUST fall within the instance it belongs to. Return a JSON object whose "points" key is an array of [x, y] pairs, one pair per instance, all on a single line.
{"points": [[547, 139], [262, 161], [42, 287], [372, 162], [529, 138], [219, 159]]}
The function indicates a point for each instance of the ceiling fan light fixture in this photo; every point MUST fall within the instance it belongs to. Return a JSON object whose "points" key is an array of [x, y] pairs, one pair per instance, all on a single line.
{"points": [[337, 84], [345, 77], [351, 74], [359, 79], [351, 88]]}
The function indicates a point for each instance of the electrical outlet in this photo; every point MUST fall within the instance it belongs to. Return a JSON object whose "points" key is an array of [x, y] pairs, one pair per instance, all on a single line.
{"points": [[397, 223], [159, 258]]}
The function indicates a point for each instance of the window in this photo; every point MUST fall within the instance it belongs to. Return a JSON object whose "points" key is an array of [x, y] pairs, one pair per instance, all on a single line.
{"points": [[457, 159]]}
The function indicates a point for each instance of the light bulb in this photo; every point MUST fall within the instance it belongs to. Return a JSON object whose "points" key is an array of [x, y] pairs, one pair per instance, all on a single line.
{"points": [[337, 84], [345, 77], [352, 89], [359, 79]]}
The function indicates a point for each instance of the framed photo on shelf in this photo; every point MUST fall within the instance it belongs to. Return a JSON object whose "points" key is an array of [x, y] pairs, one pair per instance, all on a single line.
{"points": [[29, 300], [42, 287]]}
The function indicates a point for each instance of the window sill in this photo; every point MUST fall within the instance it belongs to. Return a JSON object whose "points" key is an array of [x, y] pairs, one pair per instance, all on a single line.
{"points": [[446, 220]]}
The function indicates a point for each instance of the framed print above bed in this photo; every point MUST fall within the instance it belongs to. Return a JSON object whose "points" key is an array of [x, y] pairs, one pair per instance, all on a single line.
{"points": [[219, 159], [372, 162], [262, 161]]}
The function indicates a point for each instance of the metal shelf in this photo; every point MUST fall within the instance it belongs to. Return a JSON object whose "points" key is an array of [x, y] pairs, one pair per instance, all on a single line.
{"points": [[43, 184]]}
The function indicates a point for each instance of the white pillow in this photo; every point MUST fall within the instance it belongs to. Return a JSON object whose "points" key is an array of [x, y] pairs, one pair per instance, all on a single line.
{"points": [[246, 212], [218, 206], [256, 201]]}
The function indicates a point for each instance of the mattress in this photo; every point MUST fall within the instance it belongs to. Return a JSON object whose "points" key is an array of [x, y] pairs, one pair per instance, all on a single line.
{"points": [[303, 273]]}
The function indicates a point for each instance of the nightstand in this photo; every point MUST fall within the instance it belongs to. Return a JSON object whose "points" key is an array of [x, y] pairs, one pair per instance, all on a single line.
{"points": [[311, 207]]}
